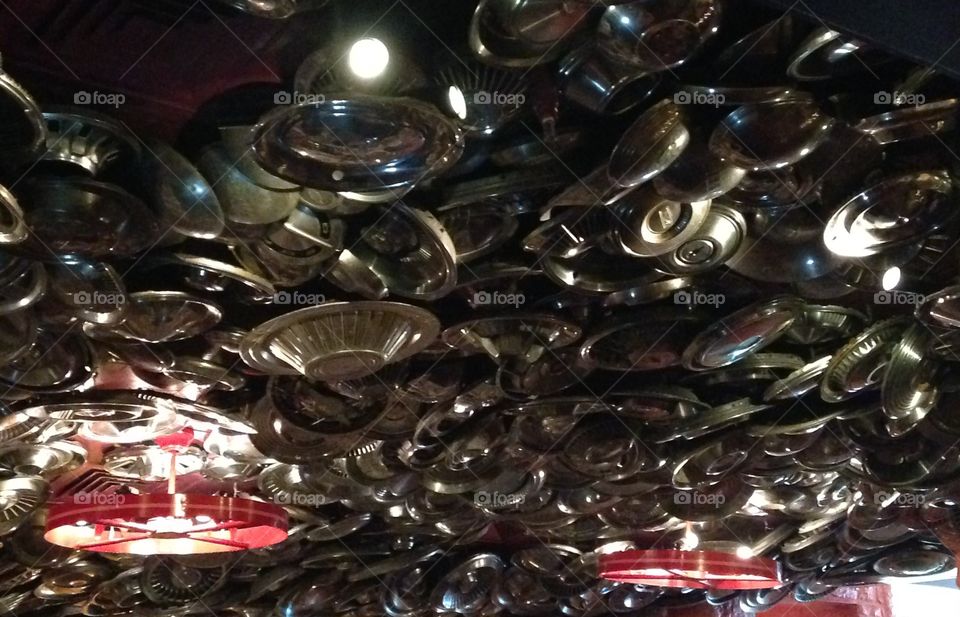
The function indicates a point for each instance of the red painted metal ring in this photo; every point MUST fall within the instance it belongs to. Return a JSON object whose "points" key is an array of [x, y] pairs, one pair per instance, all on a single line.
{"points": [[689, 569], [117, 523]]}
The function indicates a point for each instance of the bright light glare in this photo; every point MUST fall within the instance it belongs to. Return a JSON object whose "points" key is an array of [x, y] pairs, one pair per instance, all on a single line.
{"points": [[891, 278], [368, 58], [457, 102], [911, 599], [744, 552], [690, 541]]}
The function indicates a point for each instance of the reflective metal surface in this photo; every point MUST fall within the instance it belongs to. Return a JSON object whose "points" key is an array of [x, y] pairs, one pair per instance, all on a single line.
{"points": [[603, 86], [657, 36], [655, 226], [89, 141], [865, 225], [411, 252], [241, 199], [183, 198], [650, 145], [770, 135], [523, 33], [387, 143], [741, 333], [339, 340], [24, 130], [86, 218], [489, 291], [160, 316]]}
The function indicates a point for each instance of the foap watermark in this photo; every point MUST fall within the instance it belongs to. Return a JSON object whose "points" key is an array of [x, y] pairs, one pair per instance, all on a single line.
{"points": [[83, 498], [297, 98], [297, 298], [898, 98], [685, 97], [484, 499], [696, 298], [307, 500], [496, 298], [106, 99], [696, 498], [499, 98], [903, 298], [99, 298], [896, 498]]}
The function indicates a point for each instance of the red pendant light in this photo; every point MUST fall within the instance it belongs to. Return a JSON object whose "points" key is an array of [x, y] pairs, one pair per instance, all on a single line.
{"points": [[168, 523], [165, 524], [689, 569]]}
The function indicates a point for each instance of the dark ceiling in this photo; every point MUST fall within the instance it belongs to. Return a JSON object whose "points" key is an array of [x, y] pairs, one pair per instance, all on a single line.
{"points": [[467, 357]]}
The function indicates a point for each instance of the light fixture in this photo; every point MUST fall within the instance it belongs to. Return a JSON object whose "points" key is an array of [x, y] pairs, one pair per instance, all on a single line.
{"points": [[165, 524], [891, 278], [689, 569], [168, 523], [458, 103], [368, 58]]}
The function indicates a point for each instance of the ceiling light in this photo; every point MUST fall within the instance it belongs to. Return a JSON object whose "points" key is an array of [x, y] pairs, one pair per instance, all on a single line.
{"points": [[689, 569], [457, 102], [690, 540], [168, 523], [165, 524], [891, 278], [368, 58]]}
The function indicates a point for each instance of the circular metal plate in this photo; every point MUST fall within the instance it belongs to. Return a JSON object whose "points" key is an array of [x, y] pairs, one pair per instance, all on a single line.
{"points": [[160, 316], [411, 252], [358, 144], [742, 333], [894, 213], [770, 135], [75, 216], [651, 144], [339, 340]]}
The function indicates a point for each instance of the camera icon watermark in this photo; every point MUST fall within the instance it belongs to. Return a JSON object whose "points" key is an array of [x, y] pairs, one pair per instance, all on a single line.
{"points": [[495, 500], [516, 99], [898, 98], [496, 298], [696, 298], [297, 98], [896, 498], [98, 298], [696, 498], [305, 500], [105, 99], [83, 498], [685, 97], [297, 298], [903, 298]]}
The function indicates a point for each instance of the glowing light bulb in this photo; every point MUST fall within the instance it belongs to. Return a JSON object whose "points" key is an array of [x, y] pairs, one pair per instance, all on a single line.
{"points": [[744, 552], [368, 58], [690, 540], [891, 278], [457, 102]]}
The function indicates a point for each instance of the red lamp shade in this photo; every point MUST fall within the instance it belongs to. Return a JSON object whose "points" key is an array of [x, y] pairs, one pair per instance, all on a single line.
{"points": [[689, 569], [164, 523]]}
